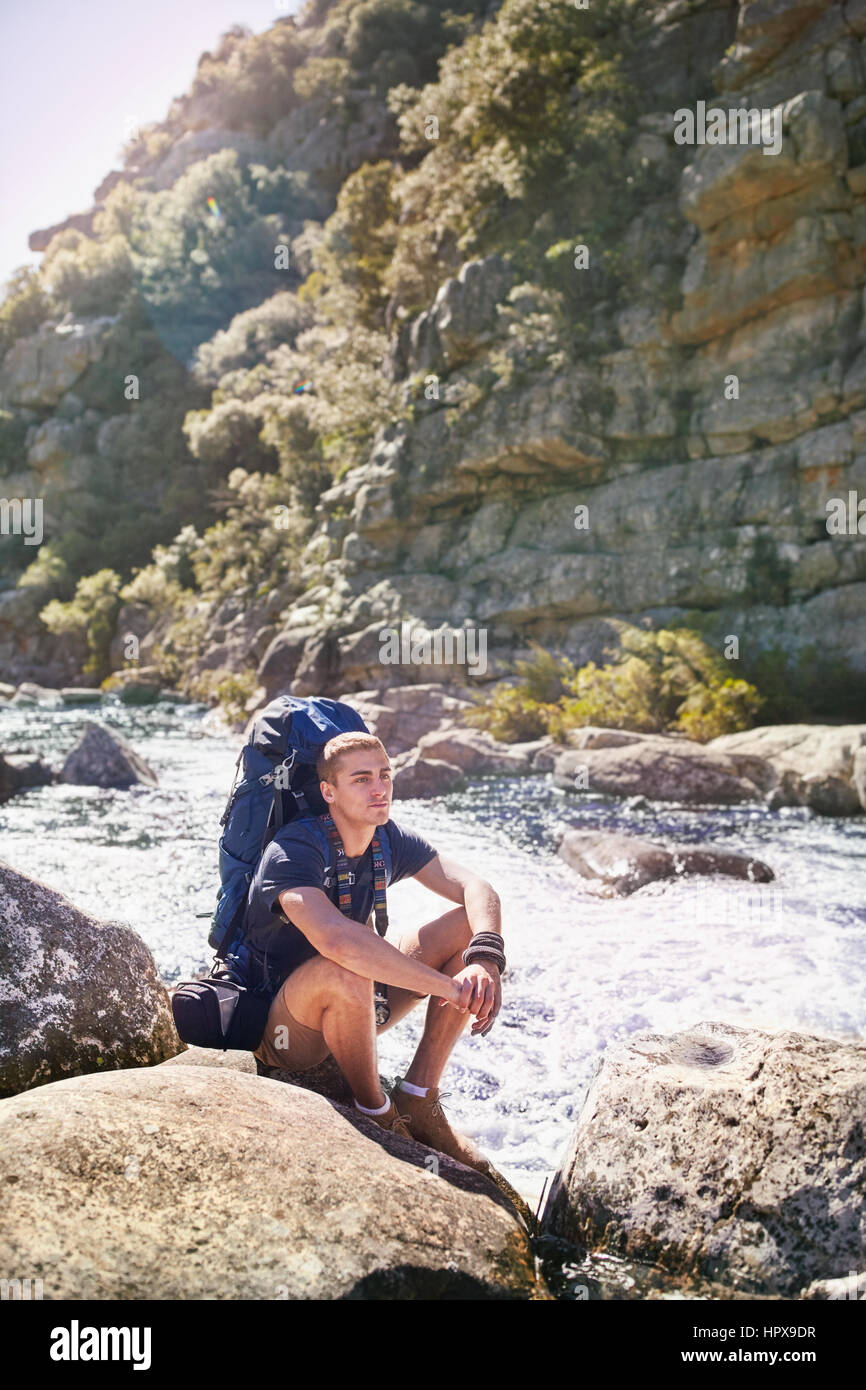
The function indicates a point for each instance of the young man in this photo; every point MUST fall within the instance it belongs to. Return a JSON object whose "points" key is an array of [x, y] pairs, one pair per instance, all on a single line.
{"points": [[326, 1002]]}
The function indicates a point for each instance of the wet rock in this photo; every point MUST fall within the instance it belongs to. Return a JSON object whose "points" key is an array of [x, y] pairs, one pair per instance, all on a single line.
{"points": [[624, 863], [135, 685], [81, 695], [28, 693], [722, 1153], [117, 1178], [76, 995], [103, 758], [18, 772]]}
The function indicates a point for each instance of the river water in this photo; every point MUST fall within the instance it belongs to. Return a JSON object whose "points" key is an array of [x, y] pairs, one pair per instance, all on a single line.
{"points": [[583, 972]]}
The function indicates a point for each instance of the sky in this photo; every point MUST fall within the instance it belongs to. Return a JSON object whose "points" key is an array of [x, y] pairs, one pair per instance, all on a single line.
{"points": [[75, 75]]}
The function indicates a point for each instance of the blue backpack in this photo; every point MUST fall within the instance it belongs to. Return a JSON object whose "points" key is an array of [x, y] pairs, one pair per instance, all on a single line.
{"points": [[279, 783]]}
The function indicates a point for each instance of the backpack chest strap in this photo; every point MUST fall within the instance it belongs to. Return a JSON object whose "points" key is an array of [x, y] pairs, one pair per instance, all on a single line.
{"points": [[343, 875]]}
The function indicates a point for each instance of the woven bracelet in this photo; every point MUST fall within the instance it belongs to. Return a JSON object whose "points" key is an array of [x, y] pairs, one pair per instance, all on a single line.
{"points": [[485, 945], [486, 959], [487, 938]]}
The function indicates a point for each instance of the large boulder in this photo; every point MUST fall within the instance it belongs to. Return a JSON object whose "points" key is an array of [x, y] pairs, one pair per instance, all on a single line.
{"points": [[401, 715], [722, 1153], [135, 685], [419, 777], [103, 758], [198, 1183], [811, 764], [623, 863], [76, 995], [325, 1079], [660, 767], [477, 752]]}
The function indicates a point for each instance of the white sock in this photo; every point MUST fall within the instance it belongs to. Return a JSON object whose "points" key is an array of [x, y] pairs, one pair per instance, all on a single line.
{"points": [[413, 1089], [379, 1110]]}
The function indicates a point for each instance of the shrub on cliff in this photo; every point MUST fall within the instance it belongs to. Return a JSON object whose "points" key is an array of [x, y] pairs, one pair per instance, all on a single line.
{"points": [[24, 306], [660, 682], [92, 612], [532, 111], [202, 252]]}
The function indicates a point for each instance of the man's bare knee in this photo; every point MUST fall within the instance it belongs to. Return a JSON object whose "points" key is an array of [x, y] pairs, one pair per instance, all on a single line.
{"points": [[345, 984]]}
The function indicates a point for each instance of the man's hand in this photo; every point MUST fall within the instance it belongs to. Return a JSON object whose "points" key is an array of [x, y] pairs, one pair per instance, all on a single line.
{"points": [[480, 992]]}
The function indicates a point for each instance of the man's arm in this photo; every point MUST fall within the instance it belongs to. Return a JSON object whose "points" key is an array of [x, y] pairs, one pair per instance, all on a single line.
{"points": [[484, 911], [356, 948], [450, 880]]}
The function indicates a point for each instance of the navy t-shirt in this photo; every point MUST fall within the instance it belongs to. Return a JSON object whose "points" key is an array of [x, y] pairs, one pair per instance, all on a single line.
{"points": [[300, 856]]}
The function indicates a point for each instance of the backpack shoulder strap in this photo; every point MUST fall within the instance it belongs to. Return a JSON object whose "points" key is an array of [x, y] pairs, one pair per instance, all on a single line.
{"points": [[330, 851]]}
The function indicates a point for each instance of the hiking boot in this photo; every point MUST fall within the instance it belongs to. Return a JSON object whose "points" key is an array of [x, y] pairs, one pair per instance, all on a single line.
{"points": [[430, 1126], [391, 1120]]}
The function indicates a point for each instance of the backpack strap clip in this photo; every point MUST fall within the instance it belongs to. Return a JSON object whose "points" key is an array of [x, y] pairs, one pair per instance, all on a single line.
{"points": [[287, 763]]}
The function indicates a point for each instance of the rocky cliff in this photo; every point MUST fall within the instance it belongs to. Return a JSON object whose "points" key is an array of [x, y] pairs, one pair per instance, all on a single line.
{"points": [[668, 449], [704, 436]]}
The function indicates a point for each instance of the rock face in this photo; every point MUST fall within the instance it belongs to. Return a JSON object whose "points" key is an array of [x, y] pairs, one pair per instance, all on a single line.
{"points": [[752, 273], [118, 1177], [38, 370], [103, 758], [623, 863], [706, 413], [76, 995], [722, 1153]]}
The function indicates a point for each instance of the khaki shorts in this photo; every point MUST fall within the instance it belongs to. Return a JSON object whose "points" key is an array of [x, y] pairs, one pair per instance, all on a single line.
{"points": [[288, 1044]]}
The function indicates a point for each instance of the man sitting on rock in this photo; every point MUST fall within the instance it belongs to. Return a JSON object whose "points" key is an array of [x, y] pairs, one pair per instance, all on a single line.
{"points": [[332, 963]]}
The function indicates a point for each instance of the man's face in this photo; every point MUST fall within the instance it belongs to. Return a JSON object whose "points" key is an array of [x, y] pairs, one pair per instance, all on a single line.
{"points": [[363, 786]]}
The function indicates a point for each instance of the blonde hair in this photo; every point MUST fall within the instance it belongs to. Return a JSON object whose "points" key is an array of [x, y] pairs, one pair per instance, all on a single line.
{"points": [[328, 761]]}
